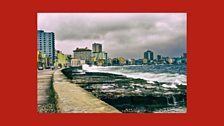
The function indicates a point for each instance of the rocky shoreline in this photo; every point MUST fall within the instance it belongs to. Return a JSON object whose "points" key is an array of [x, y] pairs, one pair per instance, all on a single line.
{"points": [[129, 94]]}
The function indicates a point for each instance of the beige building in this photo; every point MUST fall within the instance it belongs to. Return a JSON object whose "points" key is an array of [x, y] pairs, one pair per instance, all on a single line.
{"points": [[77, 62], [82, 54]]}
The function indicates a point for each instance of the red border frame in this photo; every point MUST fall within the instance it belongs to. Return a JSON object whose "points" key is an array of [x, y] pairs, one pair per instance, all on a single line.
{"points": [[19, 62]]}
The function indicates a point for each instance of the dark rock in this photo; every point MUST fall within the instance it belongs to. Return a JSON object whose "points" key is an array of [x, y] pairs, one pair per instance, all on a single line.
{"points": [[129, 94]]}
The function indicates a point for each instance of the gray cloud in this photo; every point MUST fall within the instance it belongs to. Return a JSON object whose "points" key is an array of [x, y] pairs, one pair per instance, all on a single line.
{"points": [[122, 34]]}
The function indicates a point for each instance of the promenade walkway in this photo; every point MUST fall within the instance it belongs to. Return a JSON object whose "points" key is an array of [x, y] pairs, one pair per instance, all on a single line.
{"points": [[45, 94], [71, 98]]}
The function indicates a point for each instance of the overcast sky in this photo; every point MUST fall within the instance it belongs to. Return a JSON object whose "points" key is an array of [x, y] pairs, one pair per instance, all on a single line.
{"points": [[122, 34]]}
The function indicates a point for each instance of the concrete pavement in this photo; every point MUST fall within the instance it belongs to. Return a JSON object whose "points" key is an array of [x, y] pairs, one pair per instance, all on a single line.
{"points": [[71, 98], [45, 95], [57, 94]]}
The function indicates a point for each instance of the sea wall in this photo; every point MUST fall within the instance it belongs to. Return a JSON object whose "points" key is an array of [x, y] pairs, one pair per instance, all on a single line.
{"points": [[130, 94], [71, 98]]}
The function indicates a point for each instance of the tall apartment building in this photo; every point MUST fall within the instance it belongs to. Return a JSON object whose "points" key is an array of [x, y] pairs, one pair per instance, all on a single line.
{"points": [[148, 55], [46, 44]]}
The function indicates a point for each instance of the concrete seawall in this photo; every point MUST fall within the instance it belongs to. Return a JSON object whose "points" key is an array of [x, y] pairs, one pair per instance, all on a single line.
{"points": [[71, 98]]}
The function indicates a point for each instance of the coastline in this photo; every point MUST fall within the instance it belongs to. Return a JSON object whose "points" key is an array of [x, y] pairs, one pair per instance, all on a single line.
{"points": [[130, 94]]}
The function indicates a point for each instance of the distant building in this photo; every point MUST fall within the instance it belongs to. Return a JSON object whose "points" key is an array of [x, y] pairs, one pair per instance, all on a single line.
{"points": [[61, 59], [97, 48], [128, 62], [145, 61], [82, 54], [99, 58], [121, 60], [138, 62], [115, 61], [132, 61], [42, 59], [170, 60], [75, 62], [178, 60], [69, 58], [109, 61], [159, 57], [46, 45], [148, 55]]}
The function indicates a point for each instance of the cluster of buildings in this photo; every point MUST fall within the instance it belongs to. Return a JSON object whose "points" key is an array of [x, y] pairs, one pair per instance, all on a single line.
{"points": [[48, 56], [149, 59], [98, 57]]}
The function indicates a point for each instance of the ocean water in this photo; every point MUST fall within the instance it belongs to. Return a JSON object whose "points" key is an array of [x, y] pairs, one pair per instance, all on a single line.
{"points": [[175, 74], [171, 75]]}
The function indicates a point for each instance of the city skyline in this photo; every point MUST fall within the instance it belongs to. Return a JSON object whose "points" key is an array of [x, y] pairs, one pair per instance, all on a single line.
{"points": [[163, 33]]}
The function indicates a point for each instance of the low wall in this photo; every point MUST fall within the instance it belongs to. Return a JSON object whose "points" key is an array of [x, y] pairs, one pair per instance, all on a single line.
{"points": [[71, 98]]}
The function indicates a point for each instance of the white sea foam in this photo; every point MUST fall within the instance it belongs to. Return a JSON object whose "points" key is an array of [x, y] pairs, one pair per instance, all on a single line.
{"points": [[174, 79], [106, 86], [169, 86]]}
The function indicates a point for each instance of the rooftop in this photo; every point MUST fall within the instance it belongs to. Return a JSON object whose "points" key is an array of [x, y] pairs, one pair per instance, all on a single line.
{"points": [[81, 49]]}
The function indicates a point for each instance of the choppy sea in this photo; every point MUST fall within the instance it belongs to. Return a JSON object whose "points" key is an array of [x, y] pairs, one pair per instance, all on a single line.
{"points": [[174, 74]]}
